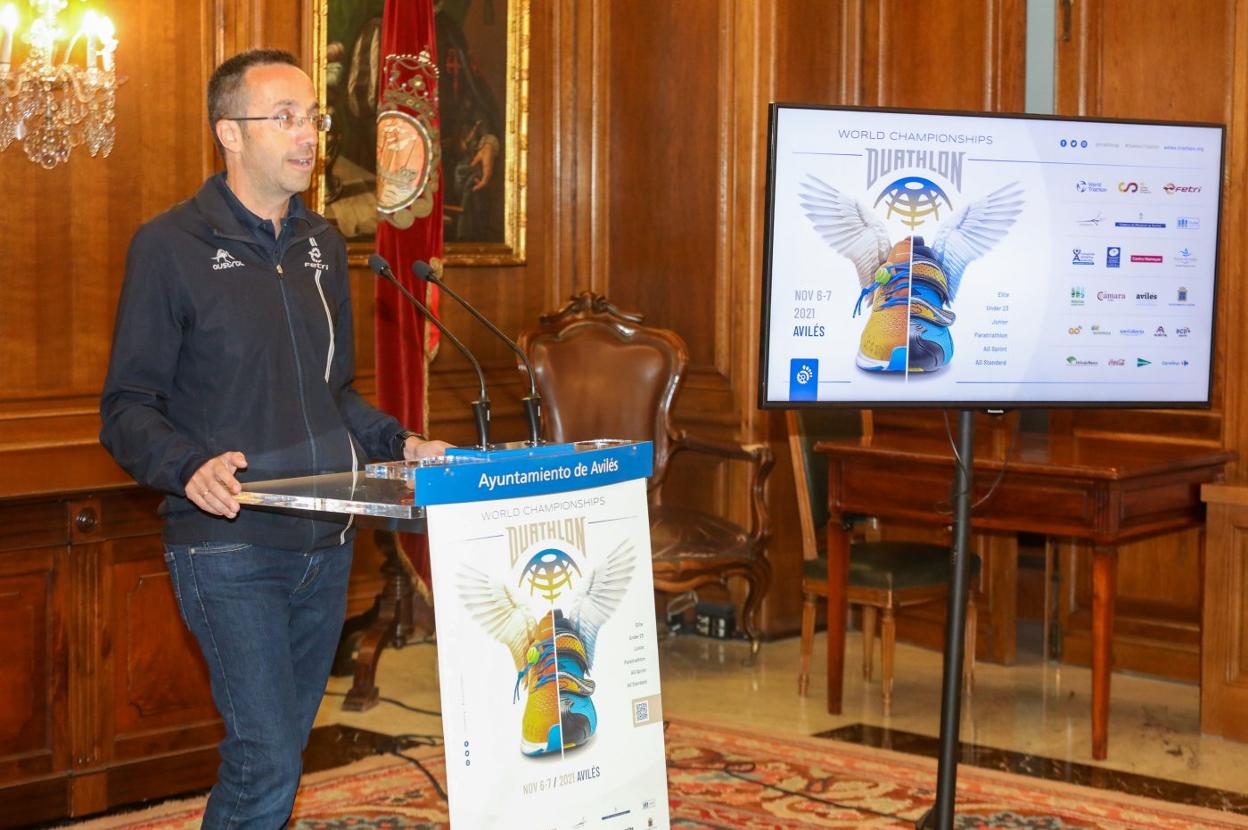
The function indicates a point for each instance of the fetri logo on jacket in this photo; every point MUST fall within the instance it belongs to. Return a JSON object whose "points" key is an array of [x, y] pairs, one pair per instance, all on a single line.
{"points": [[315, 253], [223, 260]]}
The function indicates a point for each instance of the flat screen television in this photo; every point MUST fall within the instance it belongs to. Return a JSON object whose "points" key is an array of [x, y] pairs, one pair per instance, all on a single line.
{"points": [[917, 258]]}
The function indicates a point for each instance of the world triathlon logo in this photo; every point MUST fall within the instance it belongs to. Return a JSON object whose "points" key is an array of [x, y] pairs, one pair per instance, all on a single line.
{"points": [[914, 199], [549, 573]]}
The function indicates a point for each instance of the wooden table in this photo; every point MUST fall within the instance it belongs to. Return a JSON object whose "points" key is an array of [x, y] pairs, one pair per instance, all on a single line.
{"points": [[1099, 491]]}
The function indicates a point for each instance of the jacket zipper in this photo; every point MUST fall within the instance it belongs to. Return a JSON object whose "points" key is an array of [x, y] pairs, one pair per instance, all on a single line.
{"points": [[303, 404]]}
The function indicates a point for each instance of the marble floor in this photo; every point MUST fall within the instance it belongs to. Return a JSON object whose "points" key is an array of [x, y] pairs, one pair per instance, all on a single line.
{"points": [[1029, 709]]}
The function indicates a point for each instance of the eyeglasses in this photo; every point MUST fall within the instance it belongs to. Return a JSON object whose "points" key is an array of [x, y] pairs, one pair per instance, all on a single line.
{"points": [[287, 121]]}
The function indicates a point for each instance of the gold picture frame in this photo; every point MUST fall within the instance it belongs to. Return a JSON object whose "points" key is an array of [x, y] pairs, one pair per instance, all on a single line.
{"points": [[478, 230]]}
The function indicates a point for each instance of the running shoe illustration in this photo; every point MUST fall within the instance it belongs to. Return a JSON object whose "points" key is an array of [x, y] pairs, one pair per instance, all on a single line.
{"points": [[551, 643], [559, 713], [909, 323], [909, 285]]}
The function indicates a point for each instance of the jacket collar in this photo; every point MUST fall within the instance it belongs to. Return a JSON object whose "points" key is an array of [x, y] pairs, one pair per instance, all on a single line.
{"points": [[211, 202]]}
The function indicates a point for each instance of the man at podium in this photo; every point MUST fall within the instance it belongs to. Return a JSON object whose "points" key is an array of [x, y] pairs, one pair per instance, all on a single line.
{"points": [[233, 358]]}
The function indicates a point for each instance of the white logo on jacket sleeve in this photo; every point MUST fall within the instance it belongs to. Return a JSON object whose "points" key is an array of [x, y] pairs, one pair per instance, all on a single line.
{"points": [[315, 254], [223, 260]]}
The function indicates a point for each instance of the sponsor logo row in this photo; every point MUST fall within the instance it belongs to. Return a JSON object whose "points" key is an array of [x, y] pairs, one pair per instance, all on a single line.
{"points": [[1135, 186], [1140, 220], [1180, 296], [1113, 257], [1123, 362], [1097, 330]]}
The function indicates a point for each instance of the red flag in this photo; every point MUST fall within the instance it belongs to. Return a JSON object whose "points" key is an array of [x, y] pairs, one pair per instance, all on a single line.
{"points": [[409, 197]]}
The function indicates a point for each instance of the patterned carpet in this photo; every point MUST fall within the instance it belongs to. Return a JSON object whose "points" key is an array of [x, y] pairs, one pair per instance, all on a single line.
{"points": [[723, 778]]}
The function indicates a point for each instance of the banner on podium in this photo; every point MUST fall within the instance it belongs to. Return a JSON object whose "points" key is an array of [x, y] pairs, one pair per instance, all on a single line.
{"points": [[548, 661]]}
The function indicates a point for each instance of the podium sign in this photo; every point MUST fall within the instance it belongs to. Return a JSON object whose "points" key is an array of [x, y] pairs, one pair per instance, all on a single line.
{"points": [[547, 659], [544, 597]]}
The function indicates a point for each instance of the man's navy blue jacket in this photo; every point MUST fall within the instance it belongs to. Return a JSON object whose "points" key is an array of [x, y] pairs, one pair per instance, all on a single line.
{"points": [[218, 347]]}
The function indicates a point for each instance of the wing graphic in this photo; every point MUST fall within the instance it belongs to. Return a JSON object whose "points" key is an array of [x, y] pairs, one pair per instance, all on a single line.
{"points": [[974, 230], [499, 611], [598, 598], [848, 226]]}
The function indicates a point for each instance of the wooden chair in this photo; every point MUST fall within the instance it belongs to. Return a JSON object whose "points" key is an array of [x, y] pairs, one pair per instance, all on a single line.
{"points": [[603, 374], [883, 576]]}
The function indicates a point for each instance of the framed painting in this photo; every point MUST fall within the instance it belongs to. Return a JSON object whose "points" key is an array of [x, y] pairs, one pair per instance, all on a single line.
{"points": [[482, 65]]}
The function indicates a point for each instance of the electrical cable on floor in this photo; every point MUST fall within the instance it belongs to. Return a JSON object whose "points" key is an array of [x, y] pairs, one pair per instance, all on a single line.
{"points": [[411, 739], [393, 702], [416, 763]]}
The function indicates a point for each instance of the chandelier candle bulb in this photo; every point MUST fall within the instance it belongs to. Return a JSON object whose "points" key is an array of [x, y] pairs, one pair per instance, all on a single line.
{"points": [[90, 25], [107, 43], [8, 24]]}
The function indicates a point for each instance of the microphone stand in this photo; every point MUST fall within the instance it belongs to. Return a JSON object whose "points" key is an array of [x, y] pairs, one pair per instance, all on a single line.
{"points": [[533, 400], [481, 406]]}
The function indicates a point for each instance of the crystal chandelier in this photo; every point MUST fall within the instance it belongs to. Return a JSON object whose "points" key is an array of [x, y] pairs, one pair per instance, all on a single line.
{"points": [[53, 107]]}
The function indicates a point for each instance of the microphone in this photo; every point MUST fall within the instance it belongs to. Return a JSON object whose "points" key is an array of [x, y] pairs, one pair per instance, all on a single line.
{"points": [[481, 406], [532, 401]]}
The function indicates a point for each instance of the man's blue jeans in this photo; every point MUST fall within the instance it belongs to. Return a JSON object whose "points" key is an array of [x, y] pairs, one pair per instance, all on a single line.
{"points": [[268, 622]]}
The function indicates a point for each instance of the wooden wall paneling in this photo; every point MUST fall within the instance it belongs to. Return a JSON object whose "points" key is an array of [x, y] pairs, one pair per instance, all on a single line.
{"points": [[282, 25], [161, 700], [138, 686], [65, 233], [91, 726], [665, 198], [513, 297], [664, 175], [677, 114], [1152, 59], [1156, 621], [1230, 363], [34, 724], [851, 65], [804, 58], [944, 54], [746, 73], [997, 596], [781, 613], [808, 52], [366, 579], [33, 687], [157, 697], [576, 90], [34, 648], [248, 24]]}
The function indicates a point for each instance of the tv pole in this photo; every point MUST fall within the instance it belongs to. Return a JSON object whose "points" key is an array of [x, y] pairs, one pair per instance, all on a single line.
{"points": [[940, 816]]}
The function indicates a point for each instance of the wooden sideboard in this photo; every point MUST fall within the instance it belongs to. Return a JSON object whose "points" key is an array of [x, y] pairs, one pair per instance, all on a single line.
{"points": [[104, 699]]}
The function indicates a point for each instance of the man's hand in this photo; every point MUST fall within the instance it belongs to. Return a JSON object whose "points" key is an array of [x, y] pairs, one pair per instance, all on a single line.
{"points": [[213, 486], [415, 449]]}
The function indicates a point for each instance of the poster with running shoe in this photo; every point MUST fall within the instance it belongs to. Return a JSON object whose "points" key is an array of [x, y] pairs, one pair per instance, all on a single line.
{"points": [[929, 258], [548, 661]]}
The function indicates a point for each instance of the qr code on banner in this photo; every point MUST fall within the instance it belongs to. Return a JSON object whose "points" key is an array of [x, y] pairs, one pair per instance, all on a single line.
{"points": [[641, 711]]}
